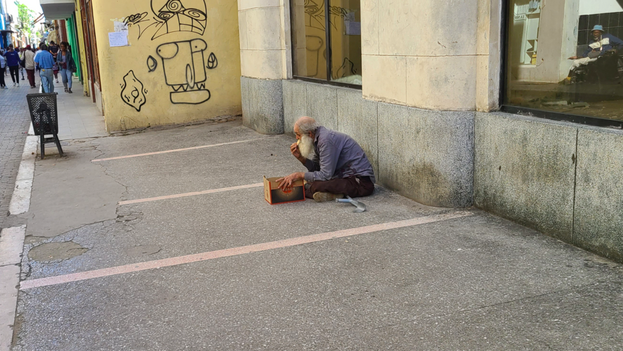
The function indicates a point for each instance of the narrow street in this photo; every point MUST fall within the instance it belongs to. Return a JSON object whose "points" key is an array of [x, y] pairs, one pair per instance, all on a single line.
{"points": [[14, 124]]}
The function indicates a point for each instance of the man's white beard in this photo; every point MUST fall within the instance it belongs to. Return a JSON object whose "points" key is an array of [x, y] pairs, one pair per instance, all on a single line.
{"points": [[306, 147]]}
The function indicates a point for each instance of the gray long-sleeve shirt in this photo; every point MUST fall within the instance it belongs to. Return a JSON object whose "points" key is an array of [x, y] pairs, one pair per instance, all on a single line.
{"points": [[339, 156]]}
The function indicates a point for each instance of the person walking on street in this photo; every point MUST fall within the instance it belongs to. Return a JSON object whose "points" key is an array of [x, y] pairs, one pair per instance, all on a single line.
{"points": [[22, 63], [12, 59], [2, 70], [66, 64], [29, 58], [44, 60], [54, 51]]}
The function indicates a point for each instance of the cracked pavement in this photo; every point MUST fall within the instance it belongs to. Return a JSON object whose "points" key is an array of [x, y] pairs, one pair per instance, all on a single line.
{"points": [[476, 282]]}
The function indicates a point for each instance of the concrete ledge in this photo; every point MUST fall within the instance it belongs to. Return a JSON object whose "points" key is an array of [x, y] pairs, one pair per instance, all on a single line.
{"points": [[294, 102], [322, 104], [525, 171], [11, 248], [598, 207], [427, 155], [262, 105], [358, 118]]}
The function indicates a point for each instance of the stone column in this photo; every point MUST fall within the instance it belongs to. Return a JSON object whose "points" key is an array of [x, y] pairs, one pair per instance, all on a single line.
{"points": [[265, 61], [431, 64]]}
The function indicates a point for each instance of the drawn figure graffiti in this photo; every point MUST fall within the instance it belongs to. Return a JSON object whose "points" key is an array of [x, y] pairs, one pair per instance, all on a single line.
{"points": [[180, 16], [316, 14], [152, 64], [184, 70], [171, 16], [347, 69], [212, 61], [314, 45], [135, 19], [132, 91]]}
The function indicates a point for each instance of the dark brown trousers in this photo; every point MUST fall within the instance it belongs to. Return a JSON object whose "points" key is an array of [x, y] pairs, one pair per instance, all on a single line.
{"points": [[31, 76], [353, 187]]}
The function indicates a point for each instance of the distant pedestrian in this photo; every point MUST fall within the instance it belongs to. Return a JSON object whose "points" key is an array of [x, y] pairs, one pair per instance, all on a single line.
{"points": [[44, 60], [12, 59], [66, 64], [54, 51], [29, 58], [22, 62], [2, 70]]}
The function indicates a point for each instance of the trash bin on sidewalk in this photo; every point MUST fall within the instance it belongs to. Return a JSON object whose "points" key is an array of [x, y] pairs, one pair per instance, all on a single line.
{"points": [[44, 116]]}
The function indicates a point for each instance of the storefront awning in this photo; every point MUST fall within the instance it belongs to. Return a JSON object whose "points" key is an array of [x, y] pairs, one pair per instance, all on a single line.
{"points": [[57, 9]]}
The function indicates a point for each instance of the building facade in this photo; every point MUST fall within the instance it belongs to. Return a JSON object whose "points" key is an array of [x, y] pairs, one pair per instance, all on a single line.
{"points": [[6, 38], [457, 104]]}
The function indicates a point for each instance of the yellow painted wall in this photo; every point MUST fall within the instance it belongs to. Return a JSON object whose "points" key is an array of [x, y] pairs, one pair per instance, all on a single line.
{"points": [[139, 81], [83, 57]]}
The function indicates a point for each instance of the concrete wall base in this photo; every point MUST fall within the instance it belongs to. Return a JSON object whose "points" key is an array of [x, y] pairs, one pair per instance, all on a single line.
{"points": [[559, 178], [262, 105]]}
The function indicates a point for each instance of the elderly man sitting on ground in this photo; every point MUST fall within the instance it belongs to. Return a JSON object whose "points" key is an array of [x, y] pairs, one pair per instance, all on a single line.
{"points": [[336, 163]]}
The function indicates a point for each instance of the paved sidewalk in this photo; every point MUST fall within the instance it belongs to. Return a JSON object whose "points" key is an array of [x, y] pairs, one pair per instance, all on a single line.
{"points": [[78, 118], [162, 240]]}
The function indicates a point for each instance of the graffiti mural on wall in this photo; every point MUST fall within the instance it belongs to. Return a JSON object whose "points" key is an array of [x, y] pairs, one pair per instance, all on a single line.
{"points": [[171, 16], [183, 62], [184, 68], [133, 92]]}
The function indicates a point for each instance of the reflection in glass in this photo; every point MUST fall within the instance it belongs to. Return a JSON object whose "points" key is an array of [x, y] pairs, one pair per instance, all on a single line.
{"points": [[345, 41], [566, 57], [308, 39]]}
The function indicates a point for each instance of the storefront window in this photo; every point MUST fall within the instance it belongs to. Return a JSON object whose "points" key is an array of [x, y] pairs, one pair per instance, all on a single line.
{"points": [[340, 60], [565, 57]]}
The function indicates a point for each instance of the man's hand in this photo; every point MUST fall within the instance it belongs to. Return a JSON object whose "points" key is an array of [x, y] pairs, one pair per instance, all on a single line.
{"points": [[296, 152], [286, 182], [573, 58], [294, 149]]}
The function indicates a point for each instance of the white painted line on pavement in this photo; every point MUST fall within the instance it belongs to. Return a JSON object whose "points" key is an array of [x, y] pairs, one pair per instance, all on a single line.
{"points": [[20, 201], [8, 301], [175, 150], [12, 245], [11, 248], [195, 193], [205, 256]]}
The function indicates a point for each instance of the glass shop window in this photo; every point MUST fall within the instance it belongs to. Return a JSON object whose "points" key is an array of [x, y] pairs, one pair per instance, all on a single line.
{"points": [[565, 57], [326, 40]]}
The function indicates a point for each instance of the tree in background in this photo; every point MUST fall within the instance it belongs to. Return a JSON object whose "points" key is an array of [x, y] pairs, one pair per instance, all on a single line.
{"points": [[24, 21]]}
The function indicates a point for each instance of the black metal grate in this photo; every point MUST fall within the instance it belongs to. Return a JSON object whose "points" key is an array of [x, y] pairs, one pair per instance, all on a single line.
{"points": [[43, 113]]}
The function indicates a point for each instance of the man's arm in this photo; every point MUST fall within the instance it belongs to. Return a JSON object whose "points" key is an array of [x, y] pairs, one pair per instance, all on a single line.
{"points": [[287, 181], [328, 155], [614, 41]]}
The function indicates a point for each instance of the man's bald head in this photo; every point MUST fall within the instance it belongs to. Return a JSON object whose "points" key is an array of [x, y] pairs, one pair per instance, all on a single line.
{"points": [[305, 125]]}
